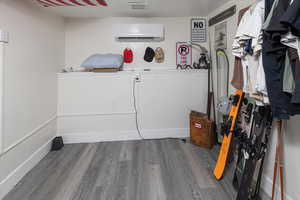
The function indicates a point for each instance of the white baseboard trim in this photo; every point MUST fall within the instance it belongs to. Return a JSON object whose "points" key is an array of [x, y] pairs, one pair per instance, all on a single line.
{"points": [[33, 132], [14, 177], [267, 184], [165, 133], [93, 137], [94, 114]]}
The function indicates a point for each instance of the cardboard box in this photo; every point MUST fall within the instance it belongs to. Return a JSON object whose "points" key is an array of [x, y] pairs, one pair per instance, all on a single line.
{"points": [[202, 130]]}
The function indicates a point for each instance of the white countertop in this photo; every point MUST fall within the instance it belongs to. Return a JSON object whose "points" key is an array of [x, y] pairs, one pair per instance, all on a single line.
{"points": [[133, 72]]}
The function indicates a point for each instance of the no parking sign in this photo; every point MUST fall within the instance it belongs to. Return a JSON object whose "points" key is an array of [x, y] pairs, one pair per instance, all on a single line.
{"points": [[184, 54]]}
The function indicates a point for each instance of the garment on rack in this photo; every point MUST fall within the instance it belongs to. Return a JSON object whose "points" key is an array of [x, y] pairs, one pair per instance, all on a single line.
{"points": [[261, 80], [276, 29], [269, 9], [288, 77], [295, 64], [237, 80], [274, 60], [247, 46], [292, 41], [291, 17]]}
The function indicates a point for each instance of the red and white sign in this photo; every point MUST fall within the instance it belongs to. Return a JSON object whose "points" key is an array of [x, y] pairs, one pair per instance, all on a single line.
{"points": [[183, 54], [198, 125]]}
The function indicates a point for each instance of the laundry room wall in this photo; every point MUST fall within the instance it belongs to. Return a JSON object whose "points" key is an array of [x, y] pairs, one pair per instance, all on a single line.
{"points": [[187, 89], [292, 137], [33, 56], [85, 37]]}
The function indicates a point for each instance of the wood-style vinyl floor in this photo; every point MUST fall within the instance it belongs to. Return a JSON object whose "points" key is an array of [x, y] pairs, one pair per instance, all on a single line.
{"points": [[133, 170]]}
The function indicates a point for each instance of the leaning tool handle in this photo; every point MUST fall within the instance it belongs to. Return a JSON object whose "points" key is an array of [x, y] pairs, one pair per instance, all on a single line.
{"points": [[279, 163]]}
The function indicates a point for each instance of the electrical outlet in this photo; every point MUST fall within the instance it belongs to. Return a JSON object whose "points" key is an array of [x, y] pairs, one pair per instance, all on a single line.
{"points": [[138, 78], [4, 36]]}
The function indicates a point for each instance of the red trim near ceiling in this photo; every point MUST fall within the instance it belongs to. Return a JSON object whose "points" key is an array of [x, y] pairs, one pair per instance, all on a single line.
{"points": [[64, 3], [53, 3], [50, 3], [102, 2], [44, 3], [76, 2], [89, 2]]}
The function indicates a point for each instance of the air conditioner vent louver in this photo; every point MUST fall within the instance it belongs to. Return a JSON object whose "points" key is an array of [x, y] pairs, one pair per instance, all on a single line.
{"points": [[138, 7], [138, 4], [138, 32], [137, 38]]}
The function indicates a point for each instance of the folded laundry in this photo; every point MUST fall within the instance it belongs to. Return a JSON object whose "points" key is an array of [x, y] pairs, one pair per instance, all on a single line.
{"points": [[97, 61]]}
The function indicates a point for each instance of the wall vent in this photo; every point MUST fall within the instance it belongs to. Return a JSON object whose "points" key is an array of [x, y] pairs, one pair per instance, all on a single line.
{"points": [[138, 4]]}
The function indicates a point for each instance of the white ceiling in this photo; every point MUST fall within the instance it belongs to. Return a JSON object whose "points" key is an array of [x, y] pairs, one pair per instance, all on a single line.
{"points": [[155, 8]]}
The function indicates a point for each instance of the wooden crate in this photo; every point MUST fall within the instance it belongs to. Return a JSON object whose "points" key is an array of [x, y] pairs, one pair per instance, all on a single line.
{"points": [[202, 130]]}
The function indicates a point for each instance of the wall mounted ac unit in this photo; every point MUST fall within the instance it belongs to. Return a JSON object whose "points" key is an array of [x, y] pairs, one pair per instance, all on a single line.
{"points": [[138, 32]]}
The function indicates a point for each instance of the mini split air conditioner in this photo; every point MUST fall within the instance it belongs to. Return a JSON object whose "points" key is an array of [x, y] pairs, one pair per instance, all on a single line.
{"points": [[138, 32]]}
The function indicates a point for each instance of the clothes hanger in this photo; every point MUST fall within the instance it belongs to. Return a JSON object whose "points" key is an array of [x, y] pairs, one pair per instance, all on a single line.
{"points": [[253, 6]]}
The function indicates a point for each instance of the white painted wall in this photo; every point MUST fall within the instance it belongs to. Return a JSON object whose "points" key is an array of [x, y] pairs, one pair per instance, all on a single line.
{"points": [[100, 107], [165, 100], [95, 105], [85, 37], [2, 48], [292, 138], [33, 56]]}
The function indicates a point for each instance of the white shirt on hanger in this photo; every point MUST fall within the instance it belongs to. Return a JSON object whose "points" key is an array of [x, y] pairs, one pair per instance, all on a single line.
{"points": [[251, 28], [292, 41]]}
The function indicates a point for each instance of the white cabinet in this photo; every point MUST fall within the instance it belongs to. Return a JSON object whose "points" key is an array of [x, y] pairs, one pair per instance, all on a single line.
{"points": [[100, 107], [165, 100], [95, 93]]}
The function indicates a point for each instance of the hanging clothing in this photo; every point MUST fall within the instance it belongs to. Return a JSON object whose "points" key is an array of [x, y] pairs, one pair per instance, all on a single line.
{"points": [[237, 80], [292, 41], [247, 46], [291, 18], [295, 64], [128, 55], [261, 80], [276, 29], [274, 60], [288, 77], [270, 11], [159, 55]]}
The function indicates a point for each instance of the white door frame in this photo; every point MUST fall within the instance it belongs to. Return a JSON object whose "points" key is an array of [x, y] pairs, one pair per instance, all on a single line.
{"points": [[3, 41]]}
